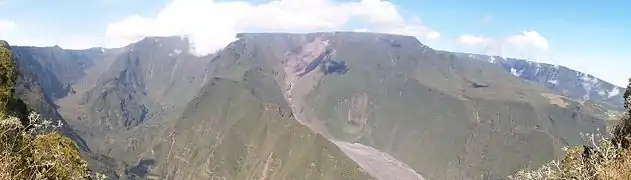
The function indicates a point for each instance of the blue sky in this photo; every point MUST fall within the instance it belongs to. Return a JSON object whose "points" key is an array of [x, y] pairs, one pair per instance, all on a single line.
{"points": [[591, 36]]}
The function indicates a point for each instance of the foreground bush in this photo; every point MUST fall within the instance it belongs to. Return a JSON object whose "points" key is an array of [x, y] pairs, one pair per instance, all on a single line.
{"points": [[44, 156], [602, 159], [8, 76], [30, 148]]}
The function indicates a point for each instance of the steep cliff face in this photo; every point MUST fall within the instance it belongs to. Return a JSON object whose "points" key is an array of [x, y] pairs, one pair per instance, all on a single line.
{"points": [[57, 68], [142, 85], [29, 93]]}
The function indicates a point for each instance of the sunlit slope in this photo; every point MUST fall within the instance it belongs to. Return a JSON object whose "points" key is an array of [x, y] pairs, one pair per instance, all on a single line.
{"points": [[242, 129]]}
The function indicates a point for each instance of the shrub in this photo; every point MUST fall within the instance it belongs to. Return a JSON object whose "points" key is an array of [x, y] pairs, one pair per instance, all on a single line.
{"points": [[30, 148], [8, 76], [603, 161], [47, 155], [622, 130], [59, 156]]}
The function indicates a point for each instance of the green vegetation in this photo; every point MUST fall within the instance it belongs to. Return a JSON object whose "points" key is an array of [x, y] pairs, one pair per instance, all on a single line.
{"points": [[606, 158], [43, 156], [395, 95], [400, 97], [8, 76], [243, 130], [28, 149]]}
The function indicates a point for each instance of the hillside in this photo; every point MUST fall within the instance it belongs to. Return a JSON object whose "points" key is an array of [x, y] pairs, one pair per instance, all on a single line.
{"points": [[399, 96], [323, 104], [136, 78], [149, 81], [249, 133]]}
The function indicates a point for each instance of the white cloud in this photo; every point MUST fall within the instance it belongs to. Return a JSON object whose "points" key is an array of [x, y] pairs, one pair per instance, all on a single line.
{"points": [[7, 27], [480, 44], [64, 41], [9, 31], [16, 35], [211, 25], [529, 39], [413, 28], [533, 46], [528, 44], [474, 40]]}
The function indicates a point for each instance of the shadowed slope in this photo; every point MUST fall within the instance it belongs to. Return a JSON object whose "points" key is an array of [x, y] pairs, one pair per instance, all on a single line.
{"points": [[144, 85], [57, 69]]}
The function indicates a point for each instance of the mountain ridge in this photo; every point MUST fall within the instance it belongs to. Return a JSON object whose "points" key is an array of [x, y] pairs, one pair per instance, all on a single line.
{"points": [[296, 53], [561, 79], [387, 92]]}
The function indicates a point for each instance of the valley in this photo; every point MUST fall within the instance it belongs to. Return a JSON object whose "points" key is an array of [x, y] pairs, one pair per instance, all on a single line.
{"points": [[322, 105]]}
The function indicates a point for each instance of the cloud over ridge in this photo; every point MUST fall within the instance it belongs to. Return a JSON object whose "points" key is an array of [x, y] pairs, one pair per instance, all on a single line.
{"points": [[211, 25]]}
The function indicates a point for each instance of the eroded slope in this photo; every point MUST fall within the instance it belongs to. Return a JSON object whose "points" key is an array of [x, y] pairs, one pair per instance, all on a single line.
{"points": [[243, 129], [444, 116]]}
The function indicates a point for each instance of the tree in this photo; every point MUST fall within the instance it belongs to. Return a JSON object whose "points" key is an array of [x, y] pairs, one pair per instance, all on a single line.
{"points": [[8, 76], [622, 130]]}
